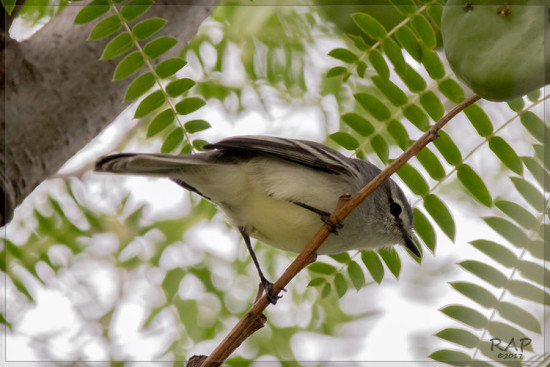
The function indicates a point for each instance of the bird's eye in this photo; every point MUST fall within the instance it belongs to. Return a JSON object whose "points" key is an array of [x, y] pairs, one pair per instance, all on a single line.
{"points": [[395, 209]]}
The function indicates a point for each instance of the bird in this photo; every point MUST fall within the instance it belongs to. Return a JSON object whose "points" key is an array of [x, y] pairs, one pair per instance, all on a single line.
{"points": [[280, 190]]}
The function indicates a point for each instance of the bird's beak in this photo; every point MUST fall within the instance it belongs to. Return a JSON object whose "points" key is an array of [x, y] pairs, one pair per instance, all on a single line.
{"points": [[409, 243]]}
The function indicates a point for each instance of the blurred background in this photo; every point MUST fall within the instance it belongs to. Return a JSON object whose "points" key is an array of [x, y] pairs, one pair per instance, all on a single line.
{"points": [[103, 268]]}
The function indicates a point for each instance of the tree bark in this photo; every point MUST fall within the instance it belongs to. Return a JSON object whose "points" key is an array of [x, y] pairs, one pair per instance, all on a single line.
{"points": [[59, 96]]}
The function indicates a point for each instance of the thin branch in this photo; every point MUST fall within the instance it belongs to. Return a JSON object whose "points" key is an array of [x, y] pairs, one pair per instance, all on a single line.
{"points": [[253, 320]]}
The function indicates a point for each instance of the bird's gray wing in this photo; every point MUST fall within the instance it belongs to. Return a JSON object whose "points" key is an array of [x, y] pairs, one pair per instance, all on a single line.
{"points": [[306, 153]]}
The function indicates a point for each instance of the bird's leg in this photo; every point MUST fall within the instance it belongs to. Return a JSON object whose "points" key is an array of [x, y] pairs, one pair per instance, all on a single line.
{"points": [[325, 217], [265, 285]]}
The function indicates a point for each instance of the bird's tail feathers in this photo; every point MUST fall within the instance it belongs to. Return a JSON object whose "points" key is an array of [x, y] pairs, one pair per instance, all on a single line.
{"points": [[156, 165]]}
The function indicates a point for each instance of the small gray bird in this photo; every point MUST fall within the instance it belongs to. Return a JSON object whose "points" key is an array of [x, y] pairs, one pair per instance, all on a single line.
{"points": [[276, 190]]}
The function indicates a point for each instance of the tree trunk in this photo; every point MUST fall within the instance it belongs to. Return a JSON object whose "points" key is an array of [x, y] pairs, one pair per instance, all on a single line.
{"points": [[59, 96]]}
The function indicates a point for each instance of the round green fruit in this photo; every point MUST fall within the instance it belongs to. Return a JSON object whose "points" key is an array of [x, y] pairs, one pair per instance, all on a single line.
{"points": [[497, 47]]}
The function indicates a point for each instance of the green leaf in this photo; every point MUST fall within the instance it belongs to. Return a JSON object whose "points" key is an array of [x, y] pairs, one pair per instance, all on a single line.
{"points": [[189, 105], [393, 52], [407, 7], [408, 40], [149, 104], [508, 230], [9, 5], [169, 67], [172, 140], [322, 268], [381, 147], [345, 140], [527, 291], [534, 272], [413, 179], [476, 293], [358, 123], [447, 148], [194, 126], [356, 275], [441, 215], [361, 69], [459, 336], [540, 154], [336, 71], [518, 213], [479, 120], [171, 282], [343, 54], [538, 172], [148, 27], [178, 87], [435, 12], [159, 46], [21, 287], [455, 358], [391, 91], [534, 95], [518, 316], [373, 106], [517, 104], [135, 8], [340, 285], [93, 10], [414, 114], [431, 103], [466, 315], [373, 264], [496, 252], [529, 192], [452, 90], [424, 229], [315, 282], [392, 260], [358, 41], [471, 180], [369, 25], [506, 154], [342, 257], [412, 79], [105, 28], [139, 86], [118, 46], [533, 124], [379, 64], [3, 320], [326, 290], [431, 163], [152, 315], [485, 272], [399, 134], [424, 30], [130, 64], [432, 63], [199, 144], [160, 122]]}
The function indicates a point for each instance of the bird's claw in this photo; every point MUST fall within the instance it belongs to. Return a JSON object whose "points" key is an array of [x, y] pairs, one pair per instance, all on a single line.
{"points": [[267, 287], [334, 226]]}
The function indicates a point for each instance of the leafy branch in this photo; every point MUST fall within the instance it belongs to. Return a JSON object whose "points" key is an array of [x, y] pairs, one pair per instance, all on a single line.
{"points": [[170, 88]]}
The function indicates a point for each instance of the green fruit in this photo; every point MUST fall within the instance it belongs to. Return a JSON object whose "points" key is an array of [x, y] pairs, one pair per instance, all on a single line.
{"points": [[497, 47]]}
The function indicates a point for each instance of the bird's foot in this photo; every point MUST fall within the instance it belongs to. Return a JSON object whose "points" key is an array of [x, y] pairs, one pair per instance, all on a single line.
{"points": [[334, 226], [267, 287]]}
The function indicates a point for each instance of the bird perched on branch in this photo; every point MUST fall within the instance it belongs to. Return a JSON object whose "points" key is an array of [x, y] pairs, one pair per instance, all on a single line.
{"points": [[277, 190]]}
